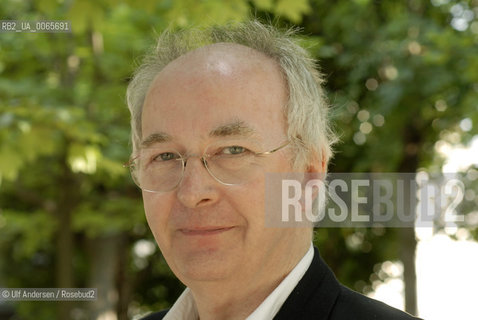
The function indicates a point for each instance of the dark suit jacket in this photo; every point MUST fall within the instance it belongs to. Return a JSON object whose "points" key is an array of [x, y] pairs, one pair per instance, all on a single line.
{"points": [[319, 296]]}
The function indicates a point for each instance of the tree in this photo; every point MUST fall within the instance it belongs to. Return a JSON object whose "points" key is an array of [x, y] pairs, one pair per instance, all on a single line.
{"points": [[400, 75]]}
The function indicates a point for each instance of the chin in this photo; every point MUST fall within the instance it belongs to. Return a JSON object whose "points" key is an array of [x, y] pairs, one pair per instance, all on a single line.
{"points": [[204, 266]]}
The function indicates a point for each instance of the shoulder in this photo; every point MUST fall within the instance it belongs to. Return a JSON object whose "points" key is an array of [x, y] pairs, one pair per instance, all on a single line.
{"points": [[156, 315], [355, 306], [319, 296]]}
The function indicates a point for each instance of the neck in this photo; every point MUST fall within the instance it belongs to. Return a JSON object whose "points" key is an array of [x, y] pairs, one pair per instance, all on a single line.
{"points": [[237, 298]]}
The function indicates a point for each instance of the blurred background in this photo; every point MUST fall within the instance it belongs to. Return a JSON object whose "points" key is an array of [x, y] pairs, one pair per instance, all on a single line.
{"points": [[402, 77]]}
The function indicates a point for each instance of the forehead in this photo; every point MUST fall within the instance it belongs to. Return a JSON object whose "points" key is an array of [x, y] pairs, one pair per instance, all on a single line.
{"points": [[212, 86], [221, 59]]}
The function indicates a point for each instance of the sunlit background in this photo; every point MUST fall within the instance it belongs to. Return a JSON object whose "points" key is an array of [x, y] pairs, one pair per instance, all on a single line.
{"points": [[447, 275]]}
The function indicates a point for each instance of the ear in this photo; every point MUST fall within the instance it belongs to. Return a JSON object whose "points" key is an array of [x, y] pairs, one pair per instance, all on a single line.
{"points": [[313, 190], [315, 170], [317, 166]]}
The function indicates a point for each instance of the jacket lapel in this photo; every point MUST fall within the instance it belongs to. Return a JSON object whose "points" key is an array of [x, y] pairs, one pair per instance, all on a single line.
{"points": [[315, 294]]}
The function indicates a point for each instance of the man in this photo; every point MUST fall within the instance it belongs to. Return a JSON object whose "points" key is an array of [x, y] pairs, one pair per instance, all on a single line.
{"points": [[213, 111]]}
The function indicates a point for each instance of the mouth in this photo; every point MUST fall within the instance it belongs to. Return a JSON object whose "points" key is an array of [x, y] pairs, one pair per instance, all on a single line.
{"points": [[204, 231]]}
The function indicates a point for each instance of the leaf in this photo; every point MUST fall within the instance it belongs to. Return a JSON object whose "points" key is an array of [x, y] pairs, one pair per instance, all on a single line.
{"points": [[263, 4], [83, 158], [292, 9], [85, 13], [47, 6], [188, 12], [10, 163]]}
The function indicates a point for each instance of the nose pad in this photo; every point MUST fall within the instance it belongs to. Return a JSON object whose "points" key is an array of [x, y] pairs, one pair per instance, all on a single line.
{"points": [[203, 165], [196, 187], [208, 169]]}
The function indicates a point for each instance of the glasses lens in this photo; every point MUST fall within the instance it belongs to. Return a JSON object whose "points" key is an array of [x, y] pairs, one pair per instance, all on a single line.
{"points": [[232, 164], [158, 171]]}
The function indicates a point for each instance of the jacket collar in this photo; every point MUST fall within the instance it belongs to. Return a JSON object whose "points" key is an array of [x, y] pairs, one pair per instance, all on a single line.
{"points": [[315, 294]]}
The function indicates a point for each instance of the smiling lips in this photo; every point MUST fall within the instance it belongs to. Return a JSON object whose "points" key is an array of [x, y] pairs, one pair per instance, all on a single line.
{"points": [[207, 231]]}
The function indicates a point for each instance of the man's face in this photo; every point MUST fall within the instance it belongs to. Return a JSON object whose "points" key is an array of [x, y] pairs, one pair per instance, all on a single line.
{"points": [[208, 231]]}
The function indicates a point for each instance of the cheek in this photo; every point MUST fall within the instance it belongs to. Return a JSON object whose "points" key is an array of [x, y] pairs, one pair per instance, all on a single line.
{"points": [[259, 239], [156, 208], [248, 200]]}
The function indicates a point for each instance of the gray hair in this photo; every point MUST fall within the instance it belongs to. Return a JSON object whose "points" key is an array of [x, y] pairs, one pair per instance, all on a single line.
{"points": [[308, 130]]}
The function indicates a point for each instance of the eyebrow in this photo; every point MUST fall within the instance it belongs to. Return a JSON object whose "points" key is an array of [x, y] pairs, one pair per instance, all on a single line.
{"points": [[157, 137], [235, 128]]}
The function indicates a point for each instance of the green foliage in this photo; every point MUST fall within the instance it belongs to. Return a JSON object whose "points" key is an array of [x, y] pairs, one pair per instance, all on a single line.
{"points": [[28, 232], [292, 10], [115, 215], [398, 75], [264, 4]]}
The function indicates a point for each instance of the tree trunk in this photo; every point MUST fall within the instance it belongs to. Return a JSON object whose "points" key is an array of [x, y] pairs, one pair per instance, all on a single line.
{"points": [[412, 140], [103, 252], [408, 245], [124, 281], [64, 244]]}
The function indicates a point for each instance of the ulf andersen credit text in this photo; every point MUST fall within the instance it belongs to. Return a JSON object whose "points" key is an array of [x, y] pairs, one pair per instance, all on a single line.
{"points": [[48, 294]]}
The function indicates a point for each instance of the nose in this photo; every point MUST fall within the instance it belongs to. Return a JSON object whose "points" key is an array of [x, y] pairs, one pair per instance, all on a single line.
{"points": [[197, 187]]}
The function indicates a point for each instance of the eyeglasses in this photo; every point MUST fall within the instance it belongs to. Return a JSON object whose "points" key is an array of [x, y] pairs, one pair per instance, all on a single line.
{"points": [[161, 170]]}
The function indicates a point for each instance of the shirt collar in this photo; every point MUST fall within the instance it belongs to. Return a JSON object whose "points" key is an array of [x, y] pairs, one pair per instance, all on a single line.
{"points": [[185, 307], [272, 304]]}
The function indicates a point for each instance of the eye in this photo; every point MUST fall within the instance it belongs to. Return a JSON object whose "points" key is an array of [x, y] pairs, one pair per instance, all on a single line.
{"points": [[165, 156], [234, 150]]}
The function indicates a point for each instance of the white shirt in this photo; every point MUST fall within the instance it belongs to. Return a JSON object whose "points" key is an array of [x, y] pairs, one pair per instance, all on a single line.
{"points": [[185, 308]]}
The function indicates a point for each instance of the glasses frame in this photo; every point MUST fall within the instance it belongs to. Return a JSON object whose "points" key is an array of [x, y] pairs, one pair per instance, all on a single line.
{"points": [[203, 158]]}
